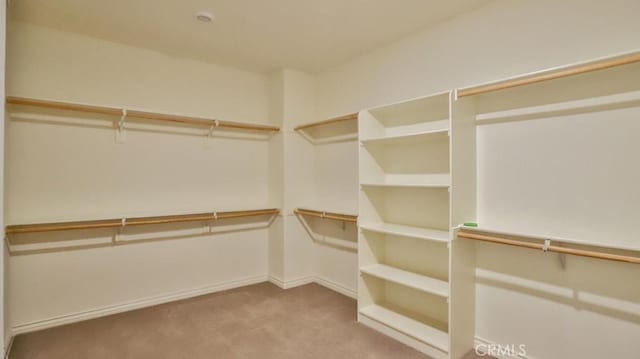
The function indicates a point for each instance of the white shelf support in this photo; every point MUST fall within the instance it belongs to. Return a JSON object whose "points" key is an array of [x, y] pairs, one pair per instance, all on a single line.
{"points": [[118, 231], [121, 135]]}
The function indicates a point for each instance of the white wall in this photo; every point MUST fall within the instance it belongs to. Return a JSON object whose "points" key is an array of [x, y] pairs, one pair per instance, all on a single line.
{"points": [[502, 39], [120, 75], [313, 176], [565, 176], [276, 177], [299, 106], [336, 173], [291, 249], [56, 171], [5, 333]]}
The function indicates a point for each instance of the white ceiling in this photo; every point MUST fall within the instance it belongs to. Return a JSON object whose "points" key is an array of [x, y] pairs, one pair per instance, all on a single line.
{"points": [[258, 35]]}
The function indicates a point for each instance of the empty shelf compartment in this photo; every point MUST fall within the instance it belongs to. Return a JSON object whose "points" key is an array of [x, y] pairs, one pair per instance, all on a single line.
{"points": [[412, 280], [408, 326]]}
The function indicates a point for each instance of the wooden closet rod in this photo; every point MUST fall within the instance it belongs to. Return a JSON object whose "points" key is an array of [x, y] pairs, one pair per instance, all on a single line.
{"points": [[327, 215], [352, 116], [112, 111], [550, 248], [551, 74], [135, 221]]}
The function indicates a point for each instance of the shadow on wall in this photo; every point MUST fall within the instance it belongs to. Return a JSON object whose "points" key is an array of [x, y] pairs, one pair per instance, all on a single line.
{"points": [[46, 242], [600, 286], [333, 233]]}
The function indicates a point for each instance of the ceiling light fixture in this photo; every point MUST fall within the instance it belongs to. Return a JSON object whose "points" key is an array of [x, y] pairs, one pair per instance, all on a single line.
{"points": [[204, 16]]}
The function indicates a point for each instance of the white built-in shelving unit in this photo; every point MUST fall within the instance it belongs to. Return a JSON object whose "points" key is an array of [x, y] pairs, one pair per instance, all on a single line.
{"points": [[417, 169], [408, 185]]}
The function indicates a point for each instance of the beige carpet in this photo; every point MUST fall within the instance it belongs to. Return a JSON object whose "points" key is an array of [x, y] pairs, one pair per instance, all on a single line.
{"points": [[259, 321]]}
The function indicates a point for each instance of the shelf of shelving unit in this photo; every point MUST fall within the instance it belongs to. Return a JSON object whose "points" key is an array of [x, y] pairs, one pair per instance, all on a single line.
{"points": [[401, 184], [410, 327], [407, 231], [432, 180], [422, 127], [412, 280], [406, 137], [406, 178]]}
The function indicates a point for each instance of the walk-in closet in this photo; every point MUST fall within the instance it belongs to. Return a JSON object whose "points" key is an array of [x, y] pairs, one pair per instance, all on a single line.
{"points": [[447, 179]]}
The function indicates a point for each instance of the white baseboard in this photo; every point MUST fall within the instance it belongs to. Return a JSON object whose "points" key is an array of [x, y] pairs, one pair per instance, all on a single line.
{"points": [[482, 342], [327, 283], [151, 301], [291, 283], [336, 287], [277, 281], [135, 304], [7, 348]]}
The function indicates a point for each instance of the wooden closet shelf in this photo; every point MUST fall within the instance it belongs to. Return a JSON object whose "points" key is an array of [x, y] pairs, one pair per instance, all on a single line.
{"points": [[349, 117], [547, 248], [153, 116], [135, 221], [327, 215], [551, 74]]}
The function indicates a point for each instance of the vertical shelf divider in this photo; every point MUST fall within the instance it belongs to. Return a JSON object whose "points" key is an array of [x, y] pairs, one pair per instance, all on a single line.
{"points": [[463, 209]]}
